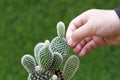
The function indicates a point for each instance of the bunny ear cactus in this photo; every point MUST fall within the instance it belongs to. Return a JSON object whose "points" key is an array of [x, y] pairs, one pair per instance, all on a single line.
{"points": [[71, 66], [40, 75], [59, 43], [61, 29], [49, 57], [45, 56], [28, 63], [54, 77], [36, 51], [38, 72], [57, 61]]}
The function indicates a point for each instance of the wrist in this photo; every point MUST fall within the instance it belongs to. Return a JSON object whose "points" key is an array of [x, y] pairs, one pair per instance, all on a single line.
{"points": [[117, 10]]}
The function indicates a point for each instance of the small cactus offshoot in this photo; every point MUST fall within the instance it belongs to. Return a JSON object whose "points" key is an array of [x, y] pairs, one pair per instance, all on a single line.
{"points": [[49, 57]]}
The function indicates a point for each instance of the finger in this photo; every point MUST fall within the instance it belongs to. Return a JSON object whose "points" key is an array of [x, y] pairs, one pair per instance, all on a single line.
{"points": [[81, 44], [70, 30], [81, 33], [77, 48], [74, 24], [88, 47], [86, 40]]}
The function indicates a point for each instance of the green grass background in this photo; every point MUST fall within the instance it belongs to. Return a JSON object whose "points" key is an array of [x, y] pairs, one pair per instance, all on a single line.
{"points": [[24, 23]]}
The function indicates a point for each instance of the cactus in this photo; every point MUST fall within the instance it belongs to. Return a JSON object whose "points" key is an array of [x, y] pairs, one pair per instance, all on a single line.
{"points": [[29, 63], [54, 77], [49, 58], [57, 61], [61, 29], [59, 43], [70, 67], [40, 75], [45, 56], [36, 51], [59, 74]]}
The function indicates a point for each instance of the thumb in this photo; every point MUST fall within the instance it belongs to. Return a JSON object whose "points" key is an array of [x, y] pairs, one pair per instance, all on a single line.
{"points": [[81, 33]]}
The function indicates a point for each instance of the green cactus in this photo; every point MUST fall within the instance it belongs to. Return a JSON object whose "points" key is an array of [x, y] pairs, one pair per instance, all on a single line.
{"points": [[49, 57], [36, 51], [28, 63], [59, 43], [57, 61], [45, 56], [71, 66], [40, 75], [54, 77], [61, 29], [59, 74]]}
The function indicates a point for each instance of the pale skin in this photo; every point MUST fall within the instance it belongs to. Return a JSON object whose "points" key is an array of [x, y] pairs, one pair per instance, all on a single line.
{"points": [[93, 28]]}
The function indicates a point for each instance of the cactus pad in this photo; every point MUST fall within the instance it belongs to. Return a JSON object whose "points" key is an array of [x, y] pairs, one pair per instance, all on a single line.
{"points": [[57, 61], [45, 56], [59, 43], [36, 51], [29, 63], [71, 66], [61, 29]]}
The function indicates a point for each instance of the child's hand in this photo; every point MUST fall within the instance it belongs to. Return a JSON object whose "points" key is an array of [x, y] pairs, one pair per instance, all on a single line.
{"points": [[93, 28]]}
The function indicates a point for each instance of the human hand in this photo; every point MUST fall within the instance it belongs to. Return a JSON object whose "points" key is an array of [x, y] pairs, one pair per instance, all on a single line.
{"points": [[93, 28]]}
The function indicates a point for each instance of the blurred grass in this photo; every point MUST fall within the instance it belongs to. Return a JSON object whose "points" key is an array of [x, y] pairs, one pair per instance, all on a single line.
{"points": [[24, 23]]}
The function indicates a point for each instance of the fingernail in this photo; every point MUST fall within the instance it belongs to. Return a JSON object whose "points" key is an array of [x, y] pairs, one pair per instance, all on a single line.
{"points": [[77, 49], [70, 41], [82, 53]]}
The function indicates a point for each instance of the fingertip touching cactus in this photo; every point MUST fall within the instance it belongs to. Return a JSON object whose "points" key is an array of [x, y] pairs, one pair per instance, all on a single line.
{"points": [[49, 57]]}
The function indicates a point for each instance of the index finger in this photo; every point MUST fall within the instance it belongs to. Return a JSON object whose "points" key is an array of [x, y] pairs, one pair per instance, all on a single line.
{"points": [[74, 24]]}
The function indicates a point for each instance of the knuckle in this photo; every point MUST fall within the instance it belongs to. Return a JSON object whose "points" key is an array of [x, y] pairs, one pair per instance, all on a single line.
{"points": [[91, 11]]}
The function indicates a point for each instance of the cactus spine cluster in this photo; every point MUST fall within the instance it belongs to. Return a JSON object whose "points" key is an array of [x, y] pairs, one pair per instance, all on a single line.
{"points": [[48, 59]]}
